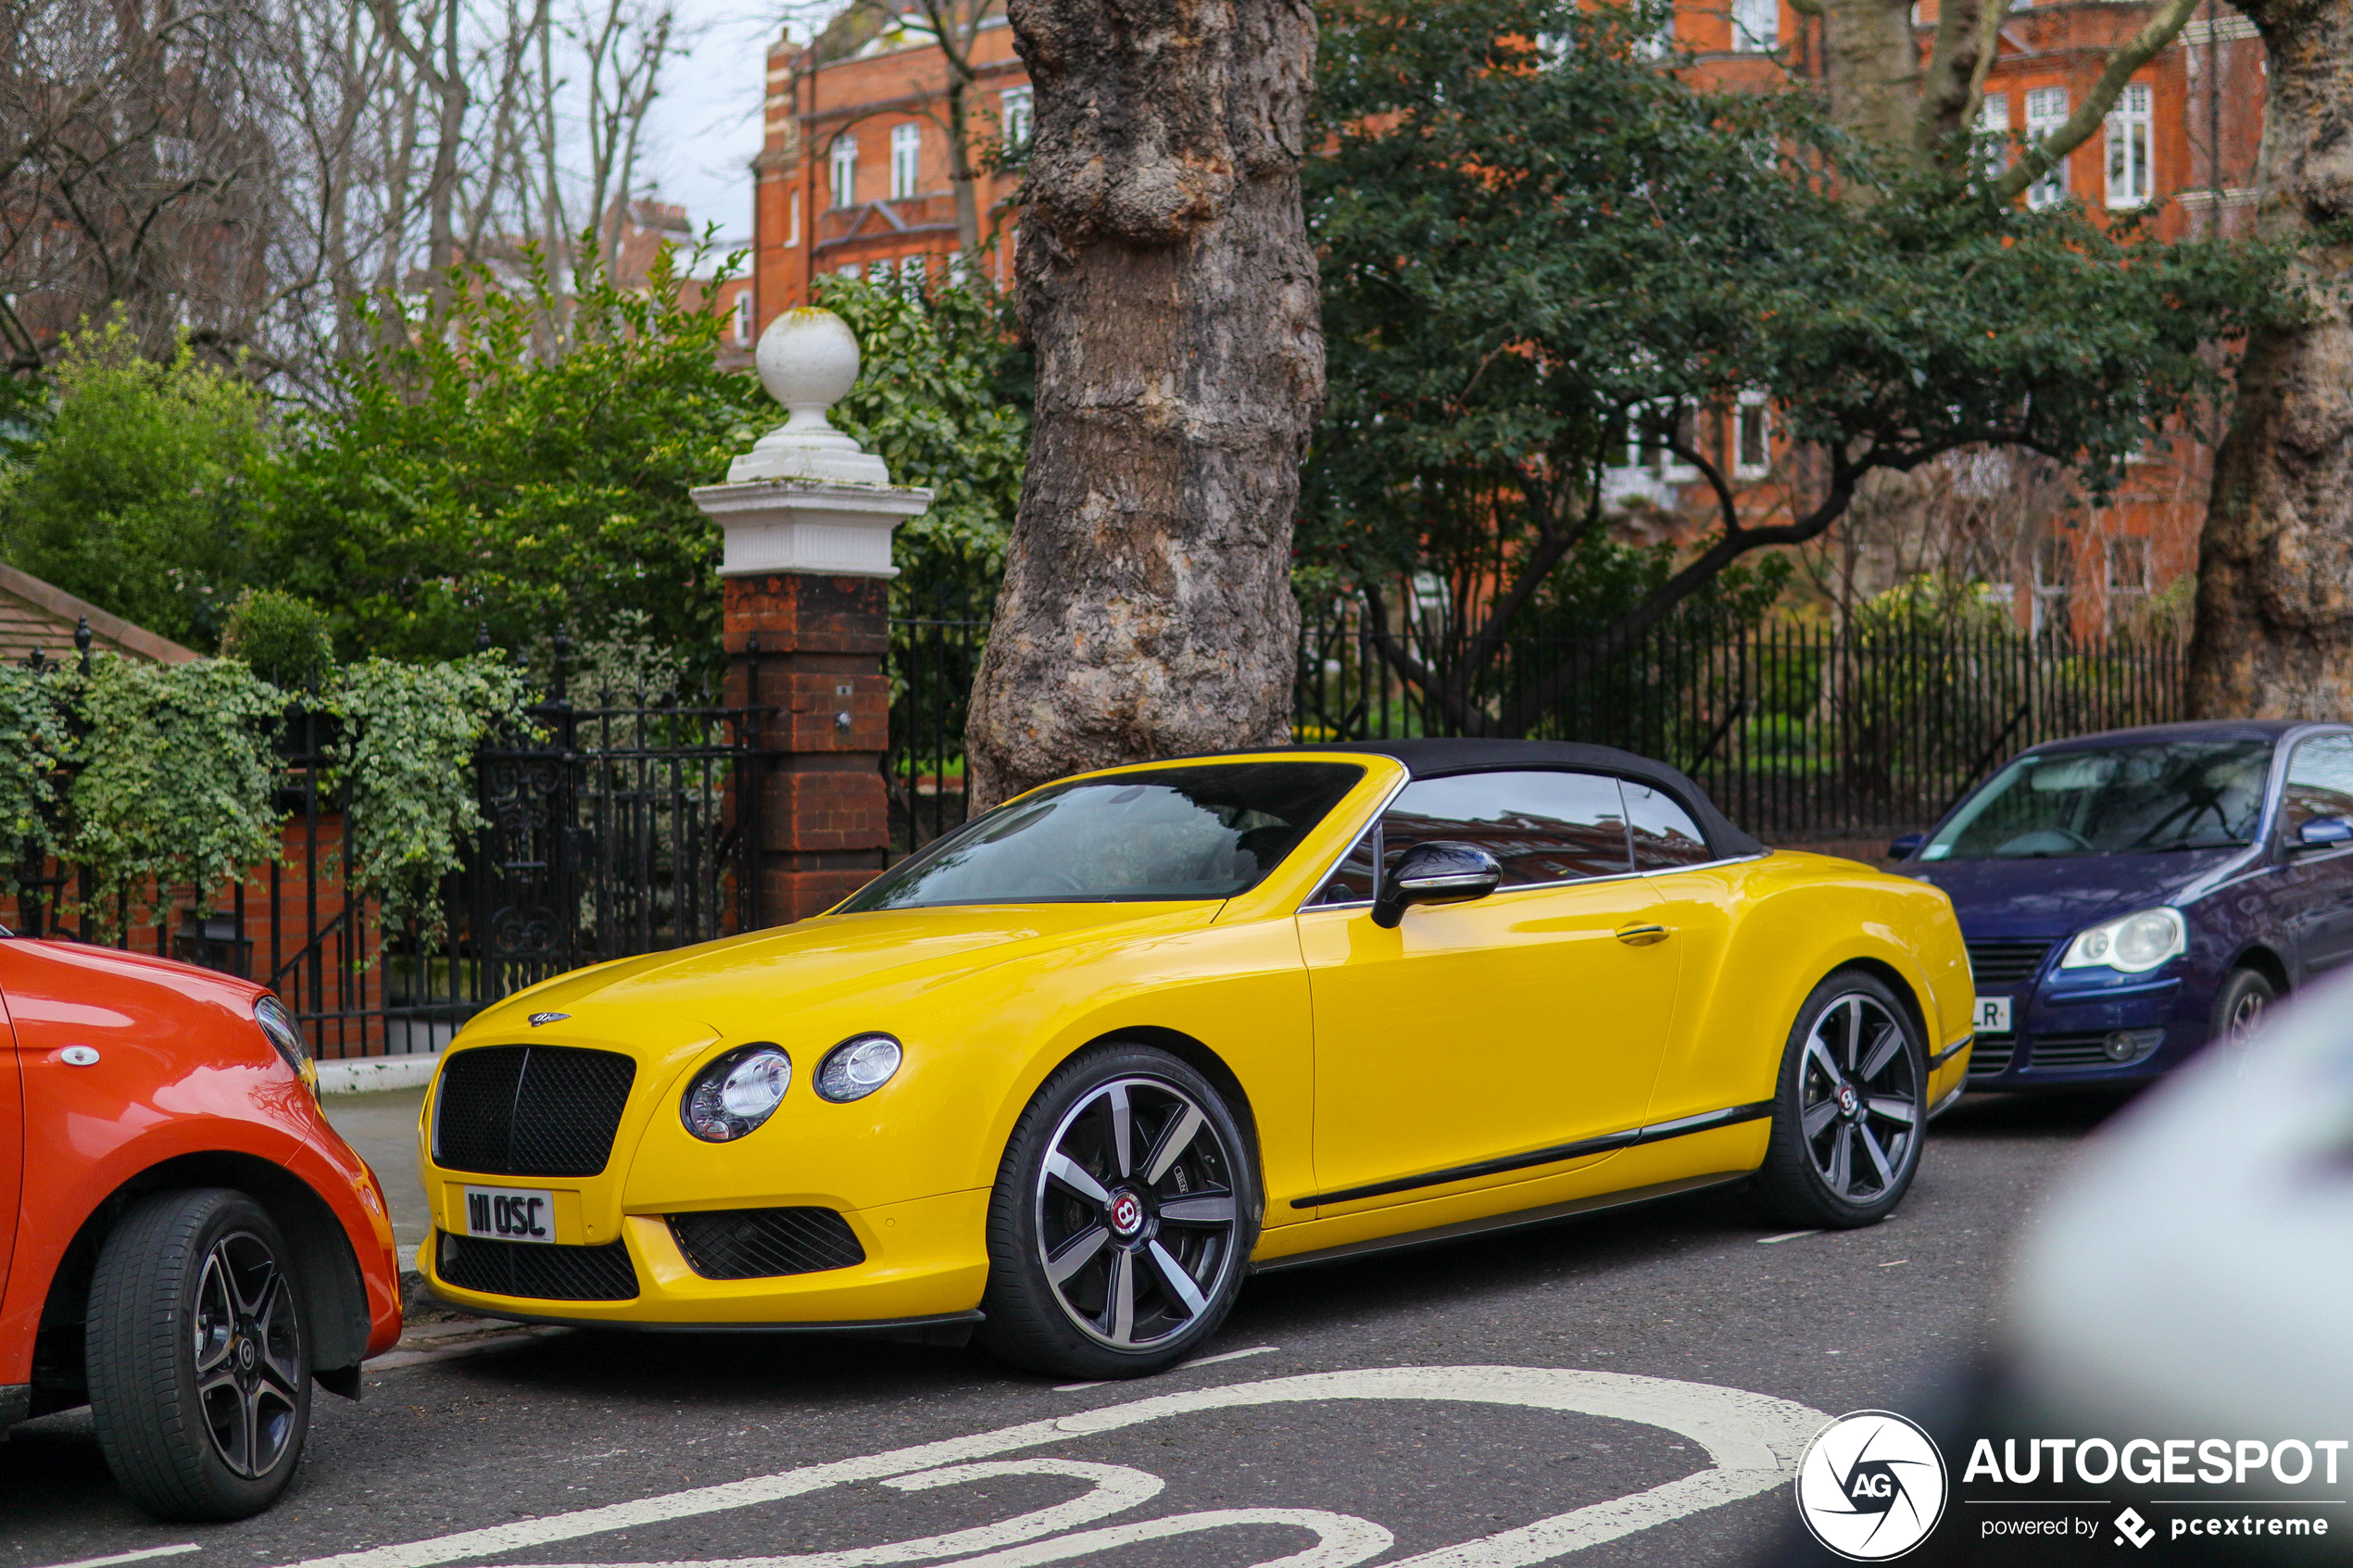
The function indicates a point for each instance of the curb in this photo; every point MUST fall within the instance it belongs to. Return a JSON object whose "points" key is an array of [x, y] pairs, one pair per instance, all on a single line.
{"points": [[361, 1076]]}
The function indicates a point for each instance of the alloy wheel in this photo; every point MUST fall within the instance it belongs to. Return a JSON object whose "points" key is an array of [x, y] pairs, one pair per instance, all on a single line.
{"points": [[1858, 1098], [1138, 1219], [249, 1355]]}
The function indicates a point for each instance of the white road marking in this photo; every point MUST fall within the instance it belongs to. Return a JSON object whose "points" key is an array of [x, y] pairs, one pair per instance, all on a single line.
{"points": [[130, 1556], [1785, 1235], [1754, 1440], [1180, 1366], [1341, 1539], [1116, 1488]]}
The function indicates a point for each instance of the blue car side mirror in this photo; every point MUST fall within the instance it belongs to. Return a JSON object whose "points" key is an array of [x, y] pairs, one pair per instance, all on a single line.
{"points": [[2323, 832], [1905, 845]]}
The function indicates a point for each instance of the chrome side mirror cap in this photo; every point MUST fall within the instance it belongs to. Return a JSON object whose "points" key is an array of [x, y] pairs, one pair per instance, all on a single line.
{"points": [[1437, 872], [2323, 833]]}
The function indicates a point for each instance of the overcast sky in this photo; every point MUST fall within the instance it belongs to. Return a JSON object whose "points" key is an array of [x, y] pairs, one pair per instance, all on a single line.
{"points": [[704, 128]]}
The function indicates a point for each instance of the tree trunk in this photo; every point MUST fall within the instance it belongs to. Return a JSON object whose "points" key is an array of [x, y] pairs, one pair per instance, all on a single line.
{"points": [[1170, 297], [2274, 630], [1873, 69]]}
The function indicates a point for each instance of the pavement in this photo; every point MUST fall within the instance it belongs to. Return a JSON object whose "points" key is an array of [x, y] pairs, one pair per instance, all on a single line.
{"points": [[382, 1127], [1446, 1401]]}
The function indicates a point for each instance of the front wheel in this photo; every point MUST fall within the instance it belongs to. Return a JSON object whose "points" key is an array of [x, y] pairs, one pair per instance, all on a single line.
{"points": [[1850, 1108], [1124, 1211], [199, 1374]]}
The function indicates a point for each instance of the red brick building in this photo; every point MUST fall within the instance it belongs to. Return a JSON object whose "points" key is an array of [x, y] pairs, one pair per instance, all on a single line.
{"points": [[853, 178]]}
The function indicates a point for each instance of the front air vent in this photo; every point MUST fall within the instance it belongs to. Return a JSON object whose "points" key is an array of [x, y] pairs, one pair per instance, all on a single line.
{"points": [[538, 1271], [1998, 965], [765, 1243], [530, 1111]]}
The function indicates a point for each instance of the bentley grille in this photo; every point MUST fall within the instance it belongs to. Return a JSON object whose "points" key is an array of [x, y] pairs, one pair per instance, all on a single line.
{"points": [[530, 1111]]}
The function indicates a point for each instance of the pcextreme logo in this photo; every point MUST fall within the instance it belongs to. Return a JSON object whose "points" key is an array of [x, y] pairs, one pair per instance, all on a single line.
{"points": [[1871, 1486]]}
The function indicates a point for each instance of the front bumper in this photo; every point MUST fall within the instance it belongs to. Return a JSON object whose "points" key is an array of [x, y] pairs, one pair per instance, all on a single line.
{"points": [[925, 1266], [2077, 1037]]}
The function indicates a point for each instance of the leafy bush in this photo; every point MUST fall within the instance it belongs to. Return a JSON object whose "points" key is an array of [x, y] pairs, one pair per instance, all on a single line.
{"points": [[405, 766], [178, 778], [474, 475], [137, 493], [281, 639]]}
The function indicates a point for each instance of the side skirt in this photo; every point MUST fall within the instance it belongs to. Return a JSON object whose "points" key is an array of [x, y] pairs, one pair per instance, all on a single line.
{"points": [[1438, 1236]]}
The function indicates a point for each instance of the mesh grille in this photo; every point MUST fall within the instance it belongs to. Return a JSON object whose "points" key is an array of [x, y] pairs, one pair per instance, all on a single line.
{"points": [[1991, 1057], [2006, 963], [537, 1270], [762, 1243], [530, 1111]]}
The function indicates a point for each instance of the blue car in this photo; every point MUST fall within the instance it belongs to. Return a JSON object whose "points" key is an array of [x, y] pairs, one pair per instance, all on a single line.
{"points": [[2129, 897]]}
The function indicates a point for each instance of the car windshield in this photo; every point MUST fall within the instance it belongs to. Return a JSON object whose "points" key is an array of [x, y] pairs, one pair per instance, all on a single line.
{"points": [[1207, 832], [2113, 801]]}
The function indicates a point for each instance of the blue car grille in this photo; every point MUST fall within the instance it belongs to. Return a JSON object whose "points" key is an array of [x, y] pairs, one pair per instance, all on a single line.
{"points": [[1991, 1057], [2000, 965]]}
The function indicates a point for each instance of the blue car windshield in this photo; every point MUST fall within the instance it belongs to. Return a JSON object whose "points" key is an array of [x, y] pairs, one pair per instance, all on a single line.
{"points": [[2113, 801], [1207, 832]]}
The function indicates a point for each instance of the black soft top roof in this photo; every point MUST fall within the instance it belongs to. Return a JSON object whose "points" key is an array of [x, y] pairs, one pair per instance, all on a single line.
{"points": [[1434, 759]]}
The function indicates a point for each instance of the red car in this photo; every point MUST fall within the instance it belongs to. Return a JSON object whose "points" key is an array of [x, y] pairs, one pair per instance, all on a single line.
{"points": [[185, 1243]]}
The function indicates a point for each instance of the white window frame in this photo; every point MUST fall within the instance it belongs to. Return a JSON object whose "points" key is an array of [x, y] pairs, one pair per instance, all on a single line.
{"points": [[843, 161], [1751, 412], [1015, 107], [2132, 136], [1994, 120], [848, 270], [906, 159], [792, 219], [743, 319], [1757, 26], [911, 275], [2046, 110]]}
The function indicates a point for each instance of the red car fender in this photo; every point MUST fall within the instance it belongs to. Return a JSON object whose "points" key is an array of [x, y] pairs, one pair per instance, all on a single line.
{"points": [[182, 1074]]}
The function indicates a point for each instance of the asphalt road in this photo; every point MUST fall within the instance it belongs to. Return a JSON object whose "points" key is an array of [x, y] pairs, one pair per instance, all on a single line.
{"points": [[1318, 1473]]}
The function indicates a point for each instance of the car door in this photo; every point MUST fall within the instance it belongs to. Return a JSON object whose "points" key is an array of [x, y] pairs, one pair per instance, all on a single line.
{"points": [[11, 1147], [2316, 909], [1493, 1031]]}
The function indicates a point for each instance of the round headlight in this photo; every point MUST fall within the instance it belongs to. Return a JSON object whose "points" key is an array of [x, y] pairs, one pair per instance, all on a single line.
{"points": [[858, 1067], [2145, 940], [737, 1093]]}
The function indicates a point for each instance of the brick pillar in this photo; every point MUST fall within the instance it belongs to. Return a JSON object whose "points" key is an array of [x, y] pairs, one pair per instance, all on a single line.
{"points": [[809, 648], [807, 518]]}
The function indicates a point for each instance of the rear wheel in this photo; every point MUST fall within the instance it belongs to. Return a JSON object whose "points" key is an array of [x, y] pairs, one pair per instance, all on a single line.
{"points": [[1126, 1209], [1850, 1108], [200, 1373]]}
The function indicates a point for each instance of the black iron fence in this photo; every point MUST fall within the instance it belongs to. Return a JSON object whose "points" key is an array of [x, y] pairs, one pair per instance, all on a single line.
{"points": [[609, 831], [1802, 735]]}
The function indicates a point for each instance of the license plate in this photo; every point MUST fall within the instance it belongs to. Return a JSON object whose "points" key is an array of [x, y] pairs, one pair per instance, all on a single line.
{"points": [[1992, 1015], [510, 1214]]}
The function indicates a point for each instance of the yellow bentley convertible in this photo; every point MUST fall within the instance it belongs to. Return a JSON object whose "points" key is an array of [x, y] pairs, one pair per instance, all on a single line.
{"points": [[1064, 1077]]}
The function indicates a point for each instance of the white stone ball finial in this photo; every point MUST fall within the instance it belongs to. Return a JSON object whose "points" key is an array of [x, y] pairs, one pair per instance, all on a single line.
{"points": [[808, 359]]}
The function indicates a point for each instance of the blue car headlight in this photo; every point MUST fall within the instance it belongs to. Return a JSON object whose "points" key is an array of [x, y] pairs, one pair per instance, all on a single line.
{"points": [[2133, 943]]}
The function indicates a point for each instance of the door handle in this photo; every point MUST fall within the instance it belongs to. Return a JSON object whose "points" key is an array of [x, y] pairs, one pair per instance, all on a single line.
{"points": [[1641, 936]]}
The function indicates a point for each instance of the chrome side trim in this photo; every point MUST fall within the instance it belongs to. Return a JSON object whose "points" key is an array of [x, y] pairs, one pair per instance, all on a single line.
{"points": [[1439, 1235], [1655, 1132], [1950, 1052]]}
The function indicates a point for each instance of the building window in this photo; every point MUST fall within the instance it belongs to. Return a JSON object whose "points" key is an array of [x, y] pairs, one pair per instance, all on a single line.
{"points": [[1757, 25], [845, 165], [743, 318], [911, 276], [1013, 117], [1751, 437], [2045, 112], [1993, 121], [906, 159], [2128, 147], [849, 271], [2128, 576], [792, 219]]}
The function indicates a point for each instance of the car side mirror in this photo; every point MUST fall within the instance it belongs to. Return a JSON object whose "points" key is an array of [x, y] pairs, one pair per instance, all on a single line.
{"points": [[2323, 833], [1905, 845], [1435, 873]]}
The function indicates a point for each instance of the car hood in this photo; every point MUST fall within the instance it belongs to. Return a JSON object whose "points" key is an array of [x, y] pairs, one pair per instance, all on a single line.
{"points": [[2060, 894], [748, 983]]}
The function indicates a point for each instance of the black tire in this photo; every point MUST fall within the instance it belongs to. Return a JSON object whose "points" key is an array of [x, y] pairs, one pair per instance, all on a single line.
{"points": [[2245, 998], [1850, 1108], [199, 1367], [1076, 1227]]}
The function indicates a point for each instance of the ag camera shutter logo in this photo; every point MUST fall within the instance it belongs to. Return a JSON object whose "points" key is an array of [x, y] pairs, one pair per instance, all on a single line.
{"points": [[1871, 1486]]}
